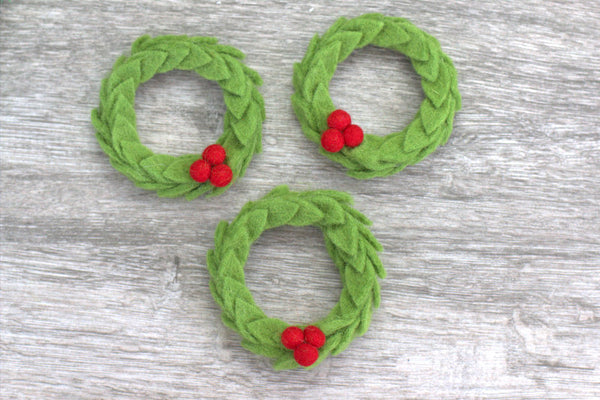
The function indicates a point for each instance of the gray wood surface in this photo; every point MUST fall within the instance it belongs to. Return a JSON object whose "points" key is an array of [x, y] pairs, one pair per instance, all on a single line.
{"points": [[492, 244]]}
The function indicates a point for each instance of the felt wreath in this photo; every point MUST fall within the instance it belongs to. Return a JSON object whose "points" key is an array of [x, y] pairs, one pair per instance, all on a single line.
{"points": [[350, 244], [190, 175], [376, 155]]}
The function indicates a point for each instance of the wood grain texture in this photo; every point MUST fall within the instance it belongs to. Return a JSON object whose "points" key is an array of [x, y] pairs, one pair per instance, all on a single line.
{"points": [[492, 244]]}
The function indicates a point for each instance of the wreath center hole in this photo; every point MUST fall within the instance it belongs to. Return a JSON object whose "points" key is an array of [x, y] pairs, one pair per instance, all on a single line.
{"points": [[291, 275], [379, 88], [179, 112]]}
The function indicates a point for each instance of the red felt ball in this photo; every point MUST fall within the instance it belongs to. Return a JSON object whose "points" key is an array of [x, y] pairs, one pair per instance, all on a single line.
{"points": [[221, 175], [332, 140], [214, 154], [314, 336], [339, 119], [306, 354], [353, 135], [291, 337], [200, 171]]}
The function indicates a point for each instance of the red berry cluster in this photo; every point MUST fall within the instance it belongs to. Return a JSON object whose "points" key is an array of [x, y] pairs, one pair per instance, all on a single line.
{"points": [[341, 132], [211, 166], [304, 343]]}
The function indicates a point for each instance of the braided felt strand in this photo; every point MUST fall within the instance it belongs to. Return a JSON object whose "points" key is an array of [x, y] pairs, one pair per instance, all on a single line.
{"points": [[115, 119], [432, 125], [349, 242]]}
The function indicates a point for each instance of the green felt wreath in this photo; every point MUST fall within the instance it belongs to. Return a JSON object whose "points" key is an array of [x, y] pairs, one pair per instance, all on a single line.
{"points": [[115, 119], [349, 242], [431, 126]]}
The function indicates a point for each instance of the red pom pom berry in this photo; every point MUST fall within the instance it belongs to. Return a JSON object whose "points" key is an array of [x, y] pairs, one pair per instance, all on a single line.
{"points": [[306, 354], [200, 171], [221, 175], [353, 135], [214, 154], [291, 337], [314, 336], [339, 119], [332, 140]]}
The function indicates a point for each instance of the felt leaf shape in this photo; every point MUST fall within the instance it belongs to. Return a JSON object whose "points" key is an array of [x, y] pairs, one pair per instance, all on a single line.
{"points": [[429, 69], [129, 70], [199, 191], [278, 191], [376, 156], [437, 90], [212, 263], [134, 152], [316, 75], [231, 51], [245, 126], [280, 212], [123, 131], [216, 70], [195, 58], [322, 106], [128, 171], [346, 338], [269, 329], [220, 232], [123, 117], [432, 117], [229, 322], [332, 210], [107, 148], [177, 53], [375, 263], [416, 48], [179, 170], [359, 260], [368, 238], [125, 89], [155, 165], [138, 45], [345, 239], [329, 56], [237, 83], [368, 29], [299, 73], [333, 325], [230, 266], [252, 75], [232, 290], [237, 105], [307, 214], [256, 222], [348, 42], [365, 321], [260, 333], [415, 136], [358, 287], [309, 123], [150, 63], [245, 313], [392, 35]]}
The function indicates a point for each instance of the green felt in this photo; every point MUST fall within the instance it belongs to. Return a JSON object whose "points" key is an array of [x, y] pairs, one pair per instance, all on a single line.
{"points": [[377, 155], [350, 244], [115, 119]]}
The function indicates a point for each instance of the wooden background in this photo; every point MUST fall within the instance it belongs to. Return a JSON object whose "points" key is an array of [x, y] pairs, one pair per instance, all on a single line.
{"points": [[492, 244]]}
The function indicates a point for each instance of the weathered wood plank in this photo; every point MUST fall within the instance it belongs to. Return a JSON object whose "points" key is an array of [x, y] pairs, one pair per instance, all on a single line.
{"points": [[492, 244]]}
